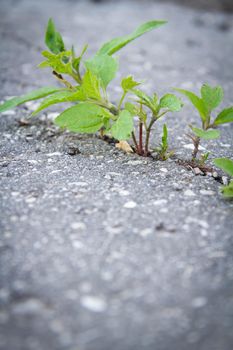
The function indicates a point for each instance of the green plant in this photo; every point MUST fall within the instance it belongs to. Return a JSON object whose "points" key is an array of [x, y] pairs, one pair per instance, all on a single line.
{"points": [[157, 109], [211, 97], [227, 166], [86, 86], [162, 151]]}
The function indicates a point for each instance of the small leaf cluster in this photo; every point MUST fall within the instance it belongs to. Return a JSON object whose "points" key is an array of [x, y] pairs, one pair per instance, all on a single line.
{"points": [[162, 150], [210, 99]]}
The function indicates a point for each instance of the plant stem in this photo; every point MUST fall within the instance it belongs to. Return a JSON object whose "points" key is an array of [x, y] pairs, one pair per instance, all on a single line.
{"points": [[141, 139], [110, 107], [196, 142], [160, 115], [121, 100], [135, 142], [148, 131], [62, 80], [76, 77], [147, 142]]}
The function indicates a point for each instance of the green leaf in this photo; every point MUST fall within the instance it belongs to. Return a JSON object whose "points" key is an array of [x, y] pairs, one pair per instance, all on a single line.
{"points": [[53, 38], [197, 103], [225, 164], [206, 134], [211, 97], [171, 102], [90, 87], [164, 137], [123, 127], [107, 117], [227, 191], [116, 44], [144, 99], [34, 95], [226, 116], [57, 97], [77, 60], [82, 118], [142, 96], [162, 150], [128, 83], [136, 110], [60, 62], [104, 67], [131, 108]]}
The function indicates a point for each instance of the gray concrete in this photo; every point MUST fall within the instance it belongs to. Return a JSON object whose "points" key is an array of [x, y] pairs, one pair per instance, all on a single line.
{"points": [[209, 5], [101, 250], [216, 5]]}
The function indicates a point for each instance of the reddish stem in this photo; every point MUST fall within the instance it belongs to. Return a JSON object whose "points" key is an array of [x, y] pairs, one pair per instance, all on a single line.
{"points": [[140, 139], [135, 143]]}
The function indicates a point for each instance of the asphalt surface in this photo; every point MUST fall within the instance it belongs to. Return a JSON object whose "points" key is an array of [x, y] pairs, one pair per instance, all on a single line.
{"points": [[213, 5], [101, 250]]}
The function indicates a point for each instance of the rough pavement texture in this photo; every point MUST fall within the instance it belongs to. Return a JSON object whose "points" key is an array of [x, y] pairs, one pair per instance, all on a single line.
{"points": [[219, 5], [216, 5], [101, 250]]}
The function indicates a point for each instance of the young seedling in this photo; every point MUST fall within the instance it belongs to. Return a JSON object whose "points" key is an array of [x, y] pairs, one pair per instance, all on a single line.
{"points": [[86, 86], [227, 166], [162, 151], [157, 109], [210, 99]]}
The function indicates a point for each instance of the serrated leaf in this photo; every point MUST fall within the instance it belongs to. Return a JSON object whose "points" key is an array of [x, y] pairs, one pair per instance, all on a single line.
{"points": [[171, 102], [34, 95], [57, 97], [129, 83], [90, 87], [123, 127], [142, 95], [116, 44], [225, 164], [144, 99], [104, 67], [211, 97], [53, 39], [197, 103], [206, 134], [226, 116], [60, 62], [82, 118]]}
